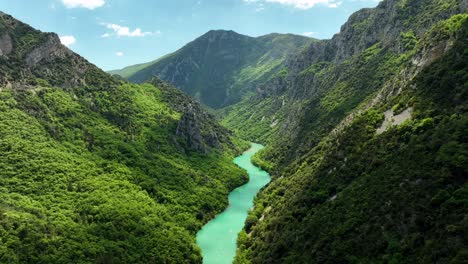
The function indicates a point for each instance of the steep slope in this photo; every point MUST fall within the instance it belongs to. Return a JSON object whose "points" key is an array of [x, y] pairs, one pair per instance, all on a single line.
{"points": [[98, 170], [219, 67], [325, 83], [347, 187], [131, 70]]}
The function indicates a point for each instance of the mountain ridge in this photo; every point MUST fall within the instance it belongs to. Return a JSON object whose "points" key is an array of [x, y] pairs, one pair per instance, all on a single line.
{"points": [[365, 138], [343, 190], [220, 66]]}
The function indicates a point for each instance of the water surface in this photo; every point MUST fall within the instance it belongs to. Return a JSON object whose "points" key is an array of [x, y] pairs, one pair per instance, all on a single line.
{"points": [[217, 239]]}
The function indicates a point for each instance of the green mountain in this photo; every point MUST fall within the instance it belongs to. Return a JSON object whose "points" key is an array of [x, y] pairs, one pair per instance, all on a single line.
{"points": [[130, 70], [220, 67], [366, 141], [365, 133], [97, 170]]}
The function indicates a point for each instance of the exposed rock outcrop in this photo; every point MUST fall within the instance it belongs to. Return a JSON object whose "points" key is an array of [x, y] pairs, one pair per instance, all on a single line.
{"points": [[189, 130], [196, 129], [392, 119], [41, 58], [6, 46], [49, 50]]}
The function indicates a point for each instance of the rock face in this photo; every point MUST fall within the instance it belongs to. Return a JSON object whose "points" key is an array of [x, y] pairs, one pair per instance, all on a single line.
{"points": [[394, 120], [189, 130], [50, 50], [197, 130], [23, 63], [6, 46], [329, 78]]}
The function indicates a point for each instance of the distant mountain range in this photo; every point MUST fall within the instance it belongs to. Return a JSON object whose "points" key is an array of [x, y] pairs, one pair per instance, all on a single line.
{"points": [[221, 66]]}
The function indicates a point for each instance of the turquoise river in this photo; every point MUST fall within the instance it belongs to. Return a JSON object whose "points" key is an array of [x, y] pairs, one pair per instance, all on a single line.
{"points": [[217, 239]]}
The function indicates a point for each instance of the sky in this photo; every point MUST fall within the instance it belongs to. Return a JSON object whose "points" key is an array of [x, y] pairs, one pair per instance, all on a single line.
{"points": [[116, 33]]}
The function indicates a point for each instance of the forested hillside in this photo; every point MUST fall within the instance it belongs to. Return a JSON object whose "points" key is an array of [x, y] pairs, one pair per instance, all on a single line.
{"points": [[366, 137], [221, 66], [98, 170]]}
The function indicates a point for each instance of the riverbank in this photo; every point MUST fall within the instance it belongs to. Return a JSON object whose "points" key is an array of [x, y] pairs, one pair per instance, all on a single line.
{"points": [[217, 239]]}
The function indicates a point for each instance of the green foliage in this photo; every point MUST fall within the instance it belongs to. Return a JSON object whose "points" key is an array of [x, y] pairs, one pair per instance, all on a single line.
{"points": [[130, 70], [448, 28], [362, 25], [78, 185], [103, 193], [409, 40], [93, 171], [354, 196], [220, 74], [259, 161]]}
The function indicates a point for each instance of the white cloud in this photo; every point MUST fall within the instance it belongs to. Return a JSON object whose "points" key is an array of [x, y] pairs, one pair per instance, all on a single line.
{"points": [[308, 34], [89, 4], [67, 40], [122, 31], [300, 4], [260, 8], [119, 53], [335, 5]]}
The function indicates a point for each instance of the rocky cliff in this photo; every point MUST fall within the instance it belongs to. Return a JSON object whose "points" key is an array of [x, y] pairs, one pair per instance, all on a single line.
{"points": [[361, 152], [197, 130], [28, 55], [325, 82]]}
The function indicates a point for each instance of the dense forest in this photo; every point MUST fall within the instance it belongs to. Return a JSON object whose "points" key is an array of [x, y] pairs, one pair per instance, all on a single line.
{"points": [[365, 134], [359, 189], [101, 170]]}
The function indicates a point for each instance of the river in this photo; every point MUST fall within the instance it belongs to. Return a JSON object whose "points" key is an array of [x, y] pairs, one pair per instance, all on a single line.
{"points": [[217, 239]]}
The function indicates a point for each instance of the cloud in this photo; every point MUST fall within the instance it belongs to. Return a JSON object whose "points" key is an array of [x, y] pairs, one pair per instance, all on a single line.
{"points": [[335, 5], [260, 8], [300, 4], [119, 53], [67, 40], [122, 31], [308, 34], [89, 4]]}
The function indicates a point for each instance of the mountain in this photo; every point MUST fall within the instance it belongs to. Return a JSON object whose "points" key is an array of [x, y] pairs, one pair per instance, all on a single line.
{"points": [[365, 134], [366, 141], [221, 66], [97, 170]]}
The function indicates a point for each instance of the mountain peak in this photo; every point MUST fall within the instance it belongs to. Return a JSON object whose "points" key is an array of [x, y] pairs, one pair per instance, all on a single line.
{"points": [[220, 66], [220, 32]]}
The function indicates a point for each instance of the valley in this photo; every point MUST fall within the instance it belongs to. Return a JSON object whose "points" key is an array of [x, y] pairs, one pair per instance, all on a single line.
{"points": [[364, 160], [217, 239]]}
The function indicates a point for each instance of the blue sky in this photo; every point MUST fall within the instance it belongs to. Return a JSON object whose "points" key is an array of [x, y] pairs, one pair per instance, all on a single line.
{"points": [[117, 33]]}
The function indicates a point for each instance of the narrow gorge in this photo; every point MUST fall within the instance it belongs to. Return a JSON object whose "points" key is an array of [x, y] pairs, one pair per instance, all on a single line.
{"points": [[360, 121]]}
